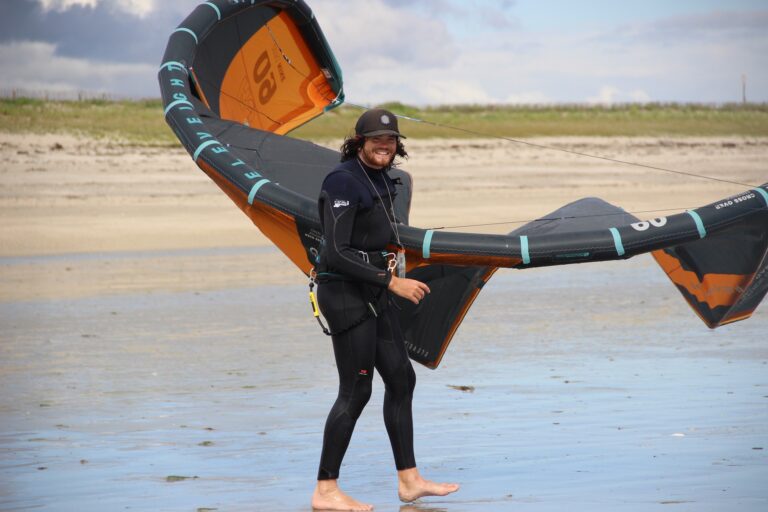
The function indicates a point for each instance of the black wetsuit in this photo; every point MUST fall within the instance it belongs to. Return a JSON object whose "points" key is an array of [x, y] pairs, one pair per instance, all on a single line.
{"points": [[354, 220]]}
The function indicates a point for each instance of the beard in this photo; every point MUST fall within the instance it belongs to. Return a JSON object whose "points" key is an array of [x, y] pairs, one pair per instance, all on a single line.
{"points": [[371, 158]]}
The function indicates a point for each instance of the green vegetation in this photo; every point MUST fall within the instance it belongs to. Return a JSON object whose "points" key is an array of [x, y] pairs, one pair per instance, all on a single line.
{"points": [[131, 122], [177, 478], [531, 121], [141, 122]]}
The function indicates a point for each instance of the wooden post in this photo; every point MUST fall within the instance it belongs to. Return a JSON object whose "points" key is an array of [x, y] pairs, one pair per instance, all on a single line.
{"points": [[744, 88]]}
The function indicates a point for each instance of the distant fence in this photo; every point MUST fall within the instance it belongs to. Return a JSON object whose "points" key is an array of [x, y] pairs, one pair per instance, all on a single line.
{"points": [[69, 95]]}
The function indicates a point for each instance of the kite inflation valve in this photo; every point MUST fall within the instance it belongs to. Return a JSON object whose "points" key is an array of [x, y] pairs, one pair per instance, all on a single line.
{"points": [[401, 263]]}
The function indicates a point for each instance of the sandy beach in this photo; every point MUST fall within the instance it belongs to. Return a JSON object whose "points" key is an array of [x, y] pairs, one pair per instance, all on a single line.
{"points": [[158, 353]]}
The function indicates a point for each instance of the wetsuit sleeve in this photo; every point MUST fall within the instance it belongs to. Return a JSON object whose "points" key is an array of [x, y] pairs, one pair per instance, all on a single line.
{"points": [[341, 200]]}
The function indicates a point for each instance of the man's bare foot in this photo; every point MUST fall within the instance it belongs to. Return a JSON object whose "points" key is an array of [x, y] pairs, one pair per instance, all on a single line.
{"points": [[411, 486], [328, 496]]}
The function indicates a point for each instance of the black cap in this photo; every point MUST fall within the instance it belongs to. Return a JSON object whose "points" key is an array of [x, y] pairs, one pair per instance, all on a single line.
{"points": [[377, 122]]}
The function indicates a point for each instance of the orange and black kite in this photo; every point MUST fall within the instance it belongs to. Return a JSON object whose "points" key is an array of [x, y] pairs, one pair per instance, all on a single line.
{"points": [[238, 75]]}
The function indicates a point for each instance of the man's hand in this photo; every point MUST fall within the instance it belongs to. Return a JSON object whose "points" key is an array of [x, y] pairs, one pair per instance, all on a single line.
{"points": [[410, 289]]}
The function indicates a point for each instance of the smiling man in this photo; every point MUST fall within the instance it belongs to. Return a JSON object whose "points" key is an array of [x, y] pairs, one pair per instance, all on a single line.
{"points": [[356, 279]]}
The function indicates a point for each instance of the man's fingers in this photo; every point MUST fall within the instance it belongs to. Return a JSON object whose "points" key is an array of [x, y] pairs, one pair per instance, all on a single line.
{"points": [[420, 292], [411, 289]]}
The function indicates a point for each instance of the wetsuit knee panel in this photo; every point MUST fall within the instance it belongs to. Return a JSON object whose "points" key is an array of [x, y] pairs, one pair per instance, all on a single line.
{"points": [[361, 392], [402, 382]]}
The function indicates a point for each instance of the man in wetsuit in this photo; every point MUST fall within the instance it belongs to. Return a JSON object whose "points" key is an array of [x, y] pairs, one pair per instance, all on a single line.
{"points": [[354, 295]]}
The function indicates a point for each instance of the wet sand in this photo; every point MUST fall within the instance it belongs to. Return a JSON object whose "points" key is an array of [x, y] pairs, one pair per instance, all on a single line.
{"points": [[158, 354]]}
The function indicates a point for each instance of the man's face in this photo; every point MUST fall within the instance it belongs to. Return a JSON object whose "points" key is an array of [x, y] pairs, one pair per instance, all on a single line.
{"points": [[379, 151]]}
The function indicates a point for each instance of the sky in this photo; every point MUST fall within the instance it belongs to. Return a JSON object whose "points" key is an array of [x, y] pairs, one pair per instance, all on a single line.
{"points": [[427, 52]]}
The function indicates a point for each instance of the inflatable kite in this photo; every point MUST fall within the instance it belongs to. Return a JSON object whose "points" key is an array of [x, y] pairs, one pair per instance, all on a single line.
{"points": [[238, 75]]}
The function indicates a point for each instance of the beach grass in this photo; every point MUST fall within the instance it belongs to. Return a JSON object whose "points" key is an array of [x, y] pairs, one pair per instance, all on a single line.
{"points": [[141, 121], [131, 122], [626, 120]]}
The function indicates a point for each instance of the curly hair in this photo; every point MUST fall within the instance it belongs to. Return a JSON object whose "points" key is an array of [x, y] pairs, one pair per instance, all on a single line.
{"points": [[352, 145]]}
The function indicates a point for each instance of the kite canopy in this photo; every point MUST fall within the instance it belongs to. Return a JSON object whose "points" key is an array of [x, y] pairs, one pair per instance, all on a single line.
{"points": [[260, 64], [237, 76]]}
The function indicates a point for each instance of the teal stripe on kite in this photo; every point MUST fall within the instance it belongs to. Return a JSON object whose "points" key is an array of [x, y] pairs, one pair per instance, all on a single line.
{"points": [[218, 12], [427, 242], [174, 103], [255, 189], [617, 241], [174, 63], [699, 223], [202, 146], [764, 194], [183, 29], [524, 250]]}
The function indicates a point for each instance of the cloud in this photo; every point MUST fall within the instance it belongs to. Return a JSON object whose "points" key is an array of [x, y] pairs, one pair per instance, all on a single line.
{"points": [[630, 63], [36, 66], [683, 58], [138, 8], [447, 90], [528, 98], [426, 52], [479, 14], [411, 52], [101, 31], [63, 5], [705, 27], [609, 95], [387, 49], [702, 62], [373, 35], [640, 96]]}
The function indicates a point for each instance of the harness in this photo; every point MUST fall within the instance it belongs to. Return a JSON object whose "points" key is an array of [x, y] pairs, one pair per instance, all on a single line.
{"points": [[393, 262], [379, 259]]}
